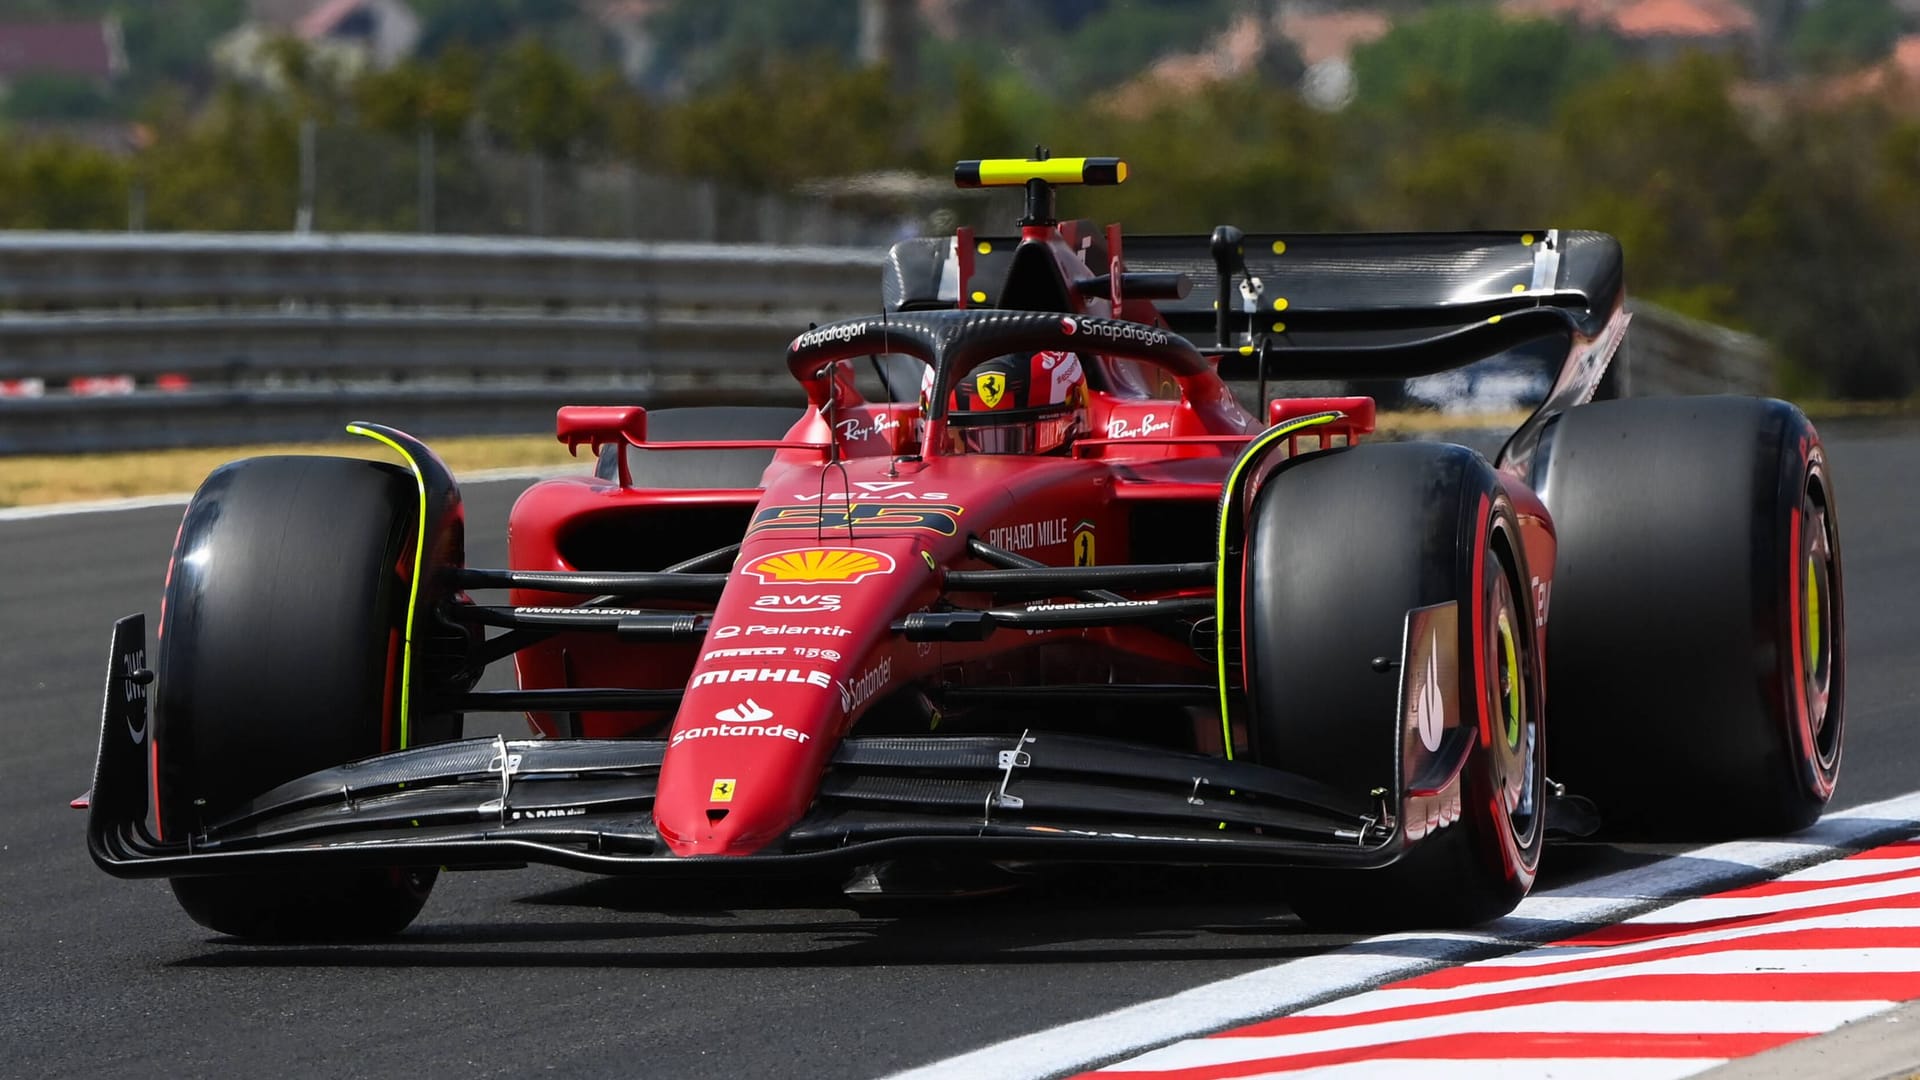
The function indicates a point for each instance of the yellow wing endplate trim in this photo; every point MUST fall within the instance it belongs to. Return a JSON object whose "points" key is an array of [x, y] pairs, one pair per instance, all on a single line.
{"points": [[1014, 172], [1230, 493], [413, 594]]}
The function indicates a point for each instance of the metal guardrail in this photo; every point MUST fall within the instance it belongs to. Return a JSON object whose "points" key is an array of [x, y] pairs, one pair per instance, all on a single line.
{"points": [[67, 271], [1670, 353], [288, 337]]}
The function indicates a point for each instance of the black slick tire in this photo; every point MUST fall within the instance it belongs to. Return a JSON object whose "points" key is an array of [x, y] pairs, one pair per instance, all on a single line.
{"points": [[1340, 546], [279, 650], [1696, 624]]}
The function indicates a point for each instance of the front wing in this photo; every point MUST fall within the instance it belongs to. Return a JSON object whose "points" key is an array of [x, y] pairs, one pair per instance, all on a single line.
{"points": [[586, 804]]}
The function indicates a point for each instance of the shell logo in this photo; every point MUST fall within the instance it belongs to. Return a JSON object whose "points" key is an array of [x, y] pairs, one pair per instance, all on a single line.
{"points": [[838, 565]]}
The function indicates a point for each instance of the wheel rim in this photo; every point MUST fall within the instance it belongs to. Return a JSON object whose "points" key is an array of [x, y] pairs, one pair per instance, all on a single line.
{"points": [[1510, 694], [1818, 609]]}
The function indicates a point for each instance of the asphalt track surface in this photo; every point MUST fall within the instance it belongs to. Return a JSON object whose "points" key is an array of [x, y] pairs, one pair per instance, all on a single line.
{"points": [[520, 972]]}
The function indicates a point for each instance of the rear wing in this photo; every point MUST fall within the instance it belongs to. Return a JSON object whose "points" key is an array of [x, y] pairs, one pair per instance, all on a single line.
{"points": [[1315, 291], [1253, 285], [1341, 306]]}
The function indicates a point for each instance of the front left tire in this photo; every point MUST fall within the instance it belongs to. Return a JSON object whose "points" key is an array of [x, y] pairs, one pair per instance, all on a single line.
{"points": [[279, 655]]}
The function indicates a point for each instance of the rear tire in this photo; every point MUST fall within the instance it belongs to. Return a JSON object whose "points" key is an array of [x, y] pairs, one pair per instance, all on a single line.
{"points": [[279, 656], [1340, 546], [1697, 624]]}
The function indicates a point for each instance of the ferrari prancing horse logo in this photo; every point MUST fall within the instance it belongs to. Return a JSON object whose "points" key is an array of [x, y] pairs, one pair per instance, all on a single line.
{"points": [[991, 386], [722, 791]]}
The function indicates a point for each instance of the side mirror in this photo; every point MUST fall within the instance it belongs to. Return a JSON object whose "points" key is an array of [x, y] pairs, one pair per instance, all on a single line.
{"points": [[602, 425]]}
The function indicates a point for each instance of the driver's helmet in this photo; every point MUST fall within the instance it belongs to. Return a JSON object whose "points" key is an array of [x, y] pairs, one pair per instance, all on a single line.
{"points": [[1021, 403]]}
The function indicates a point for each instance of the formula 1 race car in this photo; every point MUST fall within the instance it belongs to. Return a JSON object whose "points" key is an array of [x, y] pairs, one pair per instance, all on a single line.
{"points": [[1075, 604]]}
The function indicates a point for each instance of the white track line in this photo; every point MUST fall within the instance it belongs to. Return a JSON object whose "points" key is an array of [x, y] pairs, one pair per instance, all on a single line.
{"points": [[179, 498], [95, 506], [1545, 1018], [1310, 980], [1495, 1069]]}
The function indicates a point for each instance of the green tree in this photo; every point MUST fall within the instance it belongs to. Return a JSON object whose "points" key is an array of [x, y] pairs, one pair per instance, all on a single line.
{"points": [[487, 24], [1235, 152], [1838, 34], [701, 43], [1489, 177], [1832, 250], [1661, 158], [1114, 45], [538, 102], [54, 184], [441, 95], [795, 119], [170, 40], [55, 97], [1486, 64], [232, 165]]}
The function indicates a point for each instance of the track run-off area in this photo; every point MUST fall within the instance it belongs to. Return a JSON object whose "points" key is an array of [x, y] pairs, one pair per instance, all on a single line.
{"points": [[1628, 961]]}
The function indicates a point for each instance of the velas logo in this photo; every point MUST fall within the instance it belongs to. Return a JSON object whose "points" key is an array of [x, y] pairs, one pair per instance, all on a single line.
{"points": [[991, 387], [838, 565]]}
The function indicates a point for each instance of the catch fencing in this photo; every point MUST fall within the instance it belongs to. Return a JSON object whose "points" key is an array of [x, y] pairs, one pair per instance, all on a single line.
{"points": [[130, 341]]}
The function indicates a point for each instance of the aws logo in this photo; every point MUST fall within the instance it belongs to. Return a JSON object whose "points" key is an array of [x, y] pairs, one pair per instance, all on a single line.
{"points": [[838, 565]]}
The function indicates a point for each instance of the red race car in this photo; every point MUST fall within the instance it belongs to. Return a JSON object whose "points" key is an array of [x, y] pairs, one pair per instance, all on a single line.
{"points": [[1071, 603]]}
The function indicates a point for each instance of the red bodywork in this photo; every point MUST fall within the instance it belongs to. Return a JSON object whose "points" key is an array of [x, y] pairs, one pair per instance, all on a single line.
{"points": [[802, 647]]}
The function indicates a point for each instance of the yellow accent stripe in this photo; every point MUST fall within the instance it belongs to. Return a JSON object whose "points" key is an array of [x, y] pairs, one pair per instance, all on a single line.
{"points": [[413, 594], [1013, 172], [1251, 454], [1810, 609]]}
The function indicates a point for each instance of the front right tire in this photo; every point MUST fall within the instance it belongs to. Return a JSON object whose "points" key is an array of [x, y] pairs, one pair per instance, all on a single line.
{"points": [[1341, 545]]}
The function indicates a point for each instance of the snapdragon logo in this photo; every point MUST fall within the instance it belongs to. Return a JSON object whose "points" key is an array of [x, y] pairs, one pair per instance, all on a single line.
{"points": [[1114, 330], [839, 332]]}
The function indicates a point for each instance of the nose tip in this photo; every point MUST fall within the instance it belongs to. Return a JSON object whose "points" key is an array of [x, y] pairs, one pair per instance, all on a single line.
{"points": [[715, 831]]}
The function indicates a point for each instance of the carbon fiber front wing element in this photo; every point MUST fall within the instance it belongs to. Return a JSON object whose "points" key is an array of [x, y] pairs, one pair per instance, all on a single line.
{"points": [[587, 804]]}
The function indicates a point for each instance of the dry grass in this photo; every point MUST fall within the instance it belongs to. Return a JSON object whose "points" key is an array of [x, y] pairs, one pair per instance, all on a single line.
{"points": [[52, 478], [55, 478]]}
